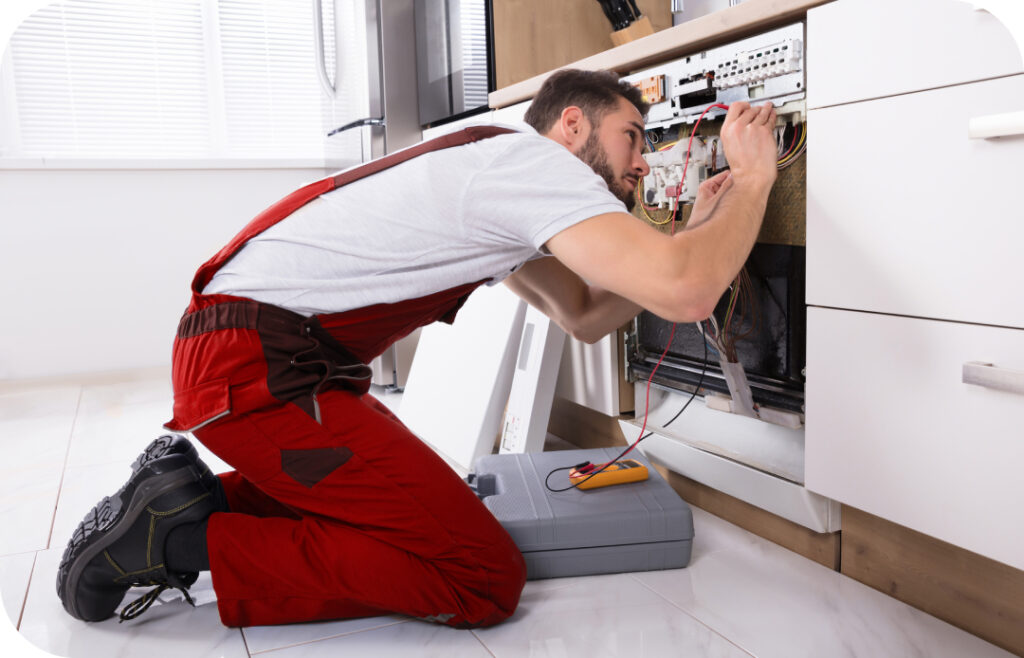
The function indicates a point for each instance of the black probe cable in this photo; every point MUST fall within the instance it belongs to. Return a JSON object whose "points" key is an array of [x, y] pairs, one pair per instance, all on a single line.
{"points": [[700, 381]]}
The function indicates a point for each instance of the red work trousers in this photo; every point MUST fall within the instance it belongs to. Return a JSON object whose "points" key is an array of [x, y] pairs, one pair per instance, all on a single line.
{"points": [[338, 511]]}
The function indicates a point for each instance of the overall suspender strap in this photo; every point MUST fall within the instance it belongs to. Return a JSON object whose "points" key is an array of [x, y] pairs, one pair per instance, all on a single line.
{"points": [[304, 195]]}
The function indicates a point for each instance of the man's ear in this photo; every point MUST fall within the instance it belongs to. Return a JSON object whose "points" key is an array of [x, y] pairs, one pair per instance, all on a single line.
{"points": [[573, 127]]}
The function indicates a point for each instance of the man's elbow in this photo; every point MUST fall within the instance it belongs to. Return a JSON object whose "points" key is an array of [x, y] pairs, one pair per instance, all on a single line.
{"points": [[588, 336], [690, 306], [583, 331]]}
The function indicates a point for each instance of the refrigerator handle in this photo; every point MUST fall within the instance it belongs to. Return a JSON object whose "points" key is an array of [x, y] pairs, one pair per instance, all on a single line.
{"points": [[321, 61]]}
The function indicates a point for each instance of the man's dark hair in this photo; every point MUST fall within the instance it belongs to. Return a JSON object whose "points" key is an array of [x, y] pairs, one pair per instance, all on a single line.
{"points": [[594, 92]]}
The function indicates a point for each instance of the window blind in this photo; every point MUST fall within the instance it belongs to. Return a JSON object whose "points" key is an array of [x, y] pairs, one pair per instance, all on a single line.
{"points": [[473, 14], [181, 79]]}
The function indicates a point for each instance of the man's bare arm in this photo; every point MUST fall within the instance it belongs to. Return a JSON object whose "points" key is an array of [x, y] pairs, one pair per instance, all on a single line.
{"points": [[585, 312], [681, 277]]}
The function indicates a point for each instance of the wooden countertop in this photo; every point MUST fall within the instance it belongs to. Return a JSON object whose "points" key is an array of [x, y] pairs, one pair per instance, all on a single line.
{"points": [[745, 19]]}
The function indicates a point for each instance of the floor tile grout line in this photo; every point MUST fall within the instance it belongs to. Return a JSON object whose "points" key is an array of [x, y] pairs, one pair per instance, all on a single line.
{"points": [[19, 553], [483, 644], [64, 468], [323, 639], [28, 586], [245, 642], [693, 616]]}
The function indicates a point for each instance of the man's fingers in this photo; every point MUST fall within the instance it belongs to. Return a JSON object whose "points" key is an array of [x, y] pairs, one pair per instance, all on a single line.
{"points": [[714, 185], [739, 112], [742, 113], [721, 181], [718, 178]]}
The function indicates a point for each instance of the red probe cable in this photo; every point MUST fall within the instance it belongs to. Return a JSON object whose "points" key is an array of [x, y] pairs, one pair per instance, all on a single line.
{"points": [[647, 400]]}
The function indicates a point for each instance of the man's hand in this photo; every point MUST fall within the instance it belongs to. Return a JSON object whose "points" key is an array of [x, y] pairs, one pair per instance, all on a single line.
{"points": [[749, 142], [708, 194]]}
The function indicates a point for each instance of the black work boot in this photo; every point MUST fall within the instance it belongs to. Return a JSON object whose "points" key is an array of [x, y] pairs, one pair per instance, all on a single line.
{"points": [[120, 542]]}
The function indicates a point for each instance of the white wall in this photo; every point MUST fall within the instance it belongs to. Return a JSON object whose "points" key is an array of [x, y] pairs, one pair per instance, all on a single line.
{"points": [[95, 265]]}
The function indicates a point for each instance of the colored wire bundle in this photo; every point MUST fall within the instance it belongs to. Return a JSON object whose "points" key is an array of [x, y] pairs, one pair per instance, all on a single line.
{"points": [[796, 147], [646, 209], [723, 338]]}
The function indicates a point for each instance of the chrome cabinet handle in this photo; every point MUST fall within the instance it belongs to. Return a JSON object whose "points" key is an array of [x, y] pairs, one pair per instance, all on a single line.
{"points": [[991, 376], [996, 125]]}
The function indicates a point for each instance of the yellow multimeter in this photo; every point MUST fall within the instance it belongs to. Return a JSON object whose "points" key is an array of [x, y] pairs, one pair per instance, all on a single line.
{"points": [[627, 470]]}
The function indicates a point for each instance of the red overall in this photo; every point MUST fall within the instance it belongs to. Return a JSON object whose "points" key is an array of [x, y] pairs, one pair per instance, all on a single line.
{"points": [[337, 510]]}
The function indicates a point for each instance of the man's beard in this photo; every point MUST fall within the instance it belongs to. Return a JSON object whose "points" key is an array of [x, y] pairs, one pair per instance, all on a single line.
{"points": [[594, 155]]}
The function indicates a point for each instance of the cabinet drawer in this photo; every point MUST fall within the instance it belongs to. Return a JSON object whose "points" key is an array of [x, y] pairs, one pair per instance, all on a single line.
{"points": [[861, 49], [893, 430], [907, 215]]}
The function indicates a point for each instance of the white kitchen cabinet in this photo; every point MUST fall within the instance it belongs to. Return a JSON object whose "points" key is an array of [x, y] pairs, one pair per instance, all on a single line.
{"points": [[907, 215], [892, 429], [914, 235], [862, 49]]}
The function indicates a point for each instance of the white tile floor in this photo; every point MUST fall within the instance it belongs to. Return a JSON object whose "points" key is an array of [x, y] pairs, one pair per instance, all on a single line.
{"points": [[65, 446]]}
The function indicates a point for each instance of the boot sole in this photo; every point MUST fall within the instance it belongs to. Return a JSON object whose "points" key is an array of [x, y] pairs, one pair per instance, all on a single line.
{"points": [[107, 522], [161, 447]]}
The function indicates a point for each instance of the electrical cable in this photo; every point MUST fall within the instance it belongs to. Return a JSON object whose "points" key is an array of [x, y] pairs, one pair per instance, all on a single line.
{"points": [[645, 208], [801, 146], [700, 382], [796, 134], [708, 341]]}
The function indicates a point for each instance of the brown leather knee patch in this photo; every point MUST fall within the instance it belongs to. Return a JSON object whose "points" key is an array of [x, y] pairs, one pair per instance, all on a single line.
{"points": [[307, 467]]}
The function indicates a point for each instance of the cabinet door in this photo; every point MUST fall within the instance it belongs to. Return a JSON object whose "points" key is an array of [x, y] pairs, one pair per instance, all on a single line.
{"points": [[861, 49], [893, 430], [907, 215]]}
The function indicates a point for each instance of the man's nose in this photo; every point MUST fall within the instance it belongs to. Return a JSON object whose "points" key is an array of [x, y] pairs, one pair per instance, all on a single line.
{"points": [[640, 165]]}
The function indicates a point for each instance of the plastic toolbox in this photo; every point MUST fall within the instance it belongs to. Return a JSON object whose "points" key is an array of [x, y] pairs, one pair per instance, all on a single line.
{"points": [[640, 526]]}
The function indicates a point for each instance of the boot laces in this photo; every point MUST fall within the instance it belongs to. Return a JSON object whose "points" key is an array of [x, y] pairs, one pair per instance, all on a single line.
{"points": [[141, 604]]}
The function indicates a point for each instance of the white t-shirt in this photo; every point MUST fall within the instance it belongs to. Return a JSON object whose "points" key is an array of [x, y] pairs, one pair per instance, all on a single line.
{"points": [[437, 221]]}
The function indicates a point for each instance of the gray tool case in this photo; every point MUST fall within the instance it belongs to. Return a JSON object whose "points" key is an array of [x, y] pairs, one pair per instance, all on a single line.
{"points": [[640, 526]]}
